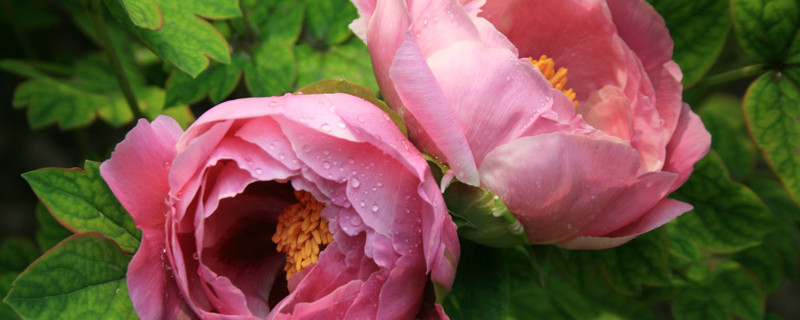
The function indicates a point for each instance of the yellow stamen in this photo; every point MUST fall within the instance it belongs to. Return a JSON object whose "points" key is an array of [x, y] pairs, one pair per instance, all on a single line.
{"points": [[301, 232], [557, 78]]}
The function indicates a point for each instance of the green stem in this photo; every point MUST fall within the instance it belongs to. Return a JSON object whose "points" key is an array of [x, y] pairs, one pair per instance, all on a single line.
{"points": [[727, 76], [113, 58]]}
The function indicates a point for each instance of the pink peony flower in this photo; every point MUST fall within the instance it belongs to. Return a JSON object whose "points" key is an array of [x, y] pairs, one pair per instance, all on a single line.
{"points": [[570, 111], [301, 206]]}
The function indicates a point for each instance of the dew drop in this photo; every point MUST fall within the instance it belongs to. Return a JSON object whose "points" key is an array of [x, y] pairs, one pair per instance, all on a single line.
{"points": [[360, 119], [325, 127], [258, 171], [326, 165], [355, 220], [593, 196], [375, 208], [355, 183], [194, 256], [379, 184], [342, 125], [307, 148], [351, 160], [281, 156], [273, 104], [166, 164], [362, 204]]}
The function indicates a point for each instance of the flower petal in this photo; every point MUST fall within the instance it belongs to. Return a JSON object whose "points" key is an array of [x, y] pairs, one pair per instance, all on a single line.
{"points": [[138, 168], [690, 143]]}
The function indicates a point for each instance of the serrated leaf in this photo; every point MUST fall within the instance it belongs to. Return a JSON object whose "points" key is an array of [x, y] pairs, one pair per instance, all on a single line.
{"points": [[727, 216], [777, 199], [482, 286], [186, 40], [773, 260], [731, 291], [773, 117], [50, 232], [769, 31], [144, 13], [328, 20], [81, 278], [16, 253], [82, 201], [695, 51], [349, 61], [276, 21], [723, 118], [89, 90], [272, 70]]}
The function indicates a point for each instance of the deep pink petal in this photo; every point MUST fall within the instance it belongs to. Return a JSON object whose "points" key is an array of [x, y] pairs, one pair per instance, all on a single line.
{"points": [[150, 284], [138, 168]]}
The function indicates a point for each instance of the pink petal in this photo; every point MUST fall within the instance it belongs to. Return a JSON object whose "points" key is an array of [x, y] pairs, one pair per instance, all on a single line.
{"points": [[644, 30], [558, 183], [424, 98], [151, 286], [690, 143], [138, 168]]}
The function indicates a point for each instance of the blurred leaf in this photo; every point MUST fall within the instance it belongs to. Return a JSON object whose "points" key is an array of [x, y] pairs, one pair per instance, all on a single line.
{"points": [[151, 102], [81, 278], [144, 13], [722, 116], [776, 198], [82, 201], [6, 278], [272, 70], [328, 20], [276, 21], [344, 86], [774, 260], [727, 216], [50, 231], [642, 261], [349, 61], [482, 287], [769, 31], [17, 253], [218, 81], [89, 89], [730, 291], [186, 40], [695, 51], [773, 116]]}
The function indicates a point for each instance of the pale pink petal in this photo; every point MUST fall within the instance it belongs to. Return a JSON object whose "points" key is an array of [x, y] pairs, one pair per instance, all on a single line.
{"points": [[558, 183], [644, 30], [609, 110], [690, 143], [424, 98], [594, 243], [385, 34], [138, 168], [665, 211]]}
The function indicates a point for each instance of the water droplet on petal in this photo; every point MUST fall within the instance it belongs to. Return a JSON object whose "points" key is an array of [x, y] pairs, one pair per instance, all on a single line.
{"points": [[355, 183], [326, 165], [325, 127], [360, 119], [375, 208], [362, 204], [307, 148], [355, 220]]}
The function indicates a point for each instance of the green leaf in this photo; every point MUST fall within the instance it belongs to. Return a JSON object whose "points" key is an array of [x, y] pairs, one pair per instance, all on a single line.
{"points": [[773, 116], [6, 278], [731, 291], [328, 20], [769, 31], [272, 70], [776, 198], [144, 13], [722, 116], [17, 253], [186, 40], [276, 21], [82, 201], [89, 90], [349, 61], [50, 231], [699, 29], [482, 286], [773, 260], [642, 261], [343, 86], [81, 278], [727, 216]]}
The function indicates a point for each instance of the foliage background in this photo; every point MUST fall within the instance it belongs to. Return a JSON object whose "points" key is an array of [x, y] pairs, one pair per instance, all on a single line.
{"points": [[734, 256]]}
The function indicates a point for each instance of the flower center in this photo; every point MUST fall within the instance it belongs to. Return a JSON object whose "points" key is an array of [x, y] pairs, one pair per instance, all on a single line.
{"points": [[301, 232], [558, 79]]}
